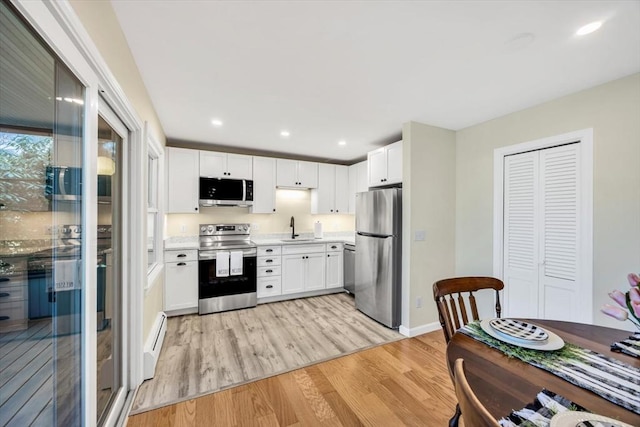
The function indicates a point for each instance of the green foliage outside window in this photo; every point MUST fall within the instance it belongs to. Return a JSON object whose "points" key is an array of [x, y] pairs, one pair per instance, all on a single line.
{"points": [[23, 159]]}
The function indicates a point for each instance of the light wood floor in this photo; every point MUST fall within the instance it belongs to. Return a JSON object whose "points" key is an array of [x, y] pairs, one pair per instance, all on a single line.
{"points": [[402, 383], [203, 354]]}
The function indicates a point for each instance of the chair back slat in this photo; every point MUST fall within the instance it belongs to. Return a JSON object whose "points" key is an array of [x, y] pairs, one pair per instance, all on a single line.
{"points": [[474, 307], [454, 311], [463, 309], [452, 308], [443, 310]]}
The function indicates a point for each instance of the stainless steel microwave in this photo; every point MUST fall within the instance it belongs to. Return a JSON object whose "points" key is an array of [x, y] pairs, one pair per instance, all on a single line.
{"points": [[65, 183], [226, 192]]}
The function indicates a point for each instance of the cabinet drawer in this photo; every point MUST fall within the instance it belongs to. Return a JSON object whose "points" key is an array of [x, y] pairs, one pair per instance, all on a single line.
{"points": [[269, 271], [269, 250], [303, 249], [269, 286], [334, 247], [12, 293], [12, 310], [12, 281], [267, 261], [181, 255]]}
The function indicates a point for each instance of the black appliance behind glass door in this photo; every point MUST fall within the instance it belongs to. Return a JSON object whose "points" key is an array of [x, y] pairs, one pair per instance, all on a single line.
{"points": [[211, 286], [218, 190]]}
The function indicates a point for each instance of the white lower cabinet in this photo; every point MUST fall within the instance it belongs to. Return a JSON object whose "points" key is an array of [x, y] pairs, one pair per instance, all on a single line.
{"points": [[181, 281], [303, 268], [335, 265]]}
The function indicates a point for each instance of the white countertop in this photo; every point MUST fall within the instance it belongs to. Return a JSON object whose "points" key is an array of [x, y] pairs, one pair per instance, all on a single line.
{"points": [[191, 242]]}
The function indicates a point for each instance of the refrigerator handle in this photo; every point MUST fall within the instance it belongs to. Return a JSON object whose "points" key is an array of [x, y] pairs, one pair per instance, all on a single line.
{"points": [[381, 236]]}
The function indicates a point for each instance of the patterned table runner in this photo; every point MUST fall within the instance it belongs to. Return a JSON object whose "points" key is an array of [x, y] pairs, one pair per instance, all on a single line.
{"points": [[609, 378], [540, 412], [630, 346]]}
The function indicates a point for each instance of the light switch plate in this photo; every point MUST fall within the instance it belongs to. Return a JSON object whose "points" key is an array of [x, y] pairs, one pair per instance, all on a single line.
{"points": [[420, 235]]}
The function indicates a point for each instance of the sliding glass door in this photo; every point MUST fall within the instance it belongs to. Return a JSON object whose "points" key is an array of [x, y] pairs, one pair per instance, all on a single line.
{"points": [[111, 367], [42, 241]]}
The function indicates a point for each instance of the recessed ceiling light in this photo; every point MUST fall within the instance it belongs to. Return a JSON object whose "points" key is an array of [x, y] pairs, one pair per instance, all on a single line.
{"points": [[285, 133], [342, 142], [589, 28], [216, 122]]}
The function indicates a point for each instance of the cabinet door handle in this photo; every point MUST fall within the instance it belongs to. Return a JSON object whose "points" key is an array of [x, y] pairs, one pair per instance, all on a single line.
{"points": [[4, 279], [269, 271], [269, 260], [4, 294], [334, 247], [196, 208], [182, 263], [328, 255], [182, 255], [269, 286], [269, 250], [4, 318]]}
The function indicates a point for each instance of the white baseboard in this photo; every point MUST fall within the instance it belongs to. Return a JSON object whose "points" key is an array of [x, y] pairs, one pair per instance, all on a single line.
{"points": [[419, 330], [154, 345]]}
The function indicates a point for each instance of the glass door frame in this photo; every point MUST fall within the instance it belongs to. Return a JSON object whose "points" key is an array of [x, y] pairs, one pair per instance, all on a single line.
{"points": [[121, 267], [57, 23]]}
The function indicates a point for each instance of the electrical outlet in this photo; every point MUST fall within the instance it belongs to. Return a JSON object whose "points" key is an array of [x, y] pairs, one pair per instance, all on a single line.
{"points": [[255, 227], [420, 235], [419, 302], [183, 228]]}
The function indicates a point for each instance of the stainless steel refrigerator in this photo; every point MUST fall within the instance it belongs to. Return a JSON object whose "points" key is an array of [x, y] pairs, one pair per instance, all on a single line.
{"points": [[378, 255]]}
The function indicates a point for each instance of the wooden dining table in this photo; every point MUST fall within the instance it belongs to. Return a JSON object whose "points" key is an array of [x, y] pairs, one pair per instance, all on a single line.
{"points": [[505, 384]]}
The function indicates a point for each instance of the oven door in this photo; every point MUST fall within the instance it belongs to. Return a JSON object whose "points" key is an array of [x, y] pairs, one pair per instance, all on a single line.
{"points": [[211, 285]]}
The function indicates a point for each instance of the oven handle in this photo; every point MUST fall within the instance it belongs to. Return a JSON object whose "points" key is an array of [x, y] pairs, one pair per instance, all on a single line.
{"points": [[205, 255]]}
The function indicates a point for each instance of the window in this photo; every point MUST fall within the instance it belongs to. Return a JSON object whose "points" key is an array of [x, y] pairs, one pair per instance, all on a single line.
{"points": [[154, 211], [24, 156]]}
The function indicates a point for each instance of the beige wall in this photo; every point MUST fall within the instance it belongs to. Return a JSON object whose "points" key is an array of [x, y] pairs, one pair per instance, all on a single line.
{"points": [[613, 111], [428, 205], [100, 21], [296, 203]]}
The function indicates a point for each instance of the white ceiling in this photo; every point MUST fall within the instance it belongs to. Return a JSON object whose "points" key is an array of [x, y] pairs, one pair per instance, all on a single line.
{"points": [[357, 70]]}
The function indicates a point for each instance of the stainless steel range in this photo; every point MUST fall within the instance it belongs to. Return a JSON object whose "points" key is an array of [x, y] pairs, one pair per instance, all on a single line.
{"points": [[226, 268]]}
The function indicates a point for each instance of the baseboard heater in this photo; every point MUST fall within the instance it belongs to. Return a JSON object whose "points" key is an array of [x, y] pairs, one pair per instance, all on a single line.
{"points": [[153, 345]]}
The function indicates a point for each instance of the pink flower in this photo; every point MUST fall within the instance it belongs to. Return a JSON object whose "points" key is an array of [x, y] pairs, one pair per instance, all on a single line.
{"points": [[636, 309], [615, 312], [619, 297], [634, 280], [634, 295]]}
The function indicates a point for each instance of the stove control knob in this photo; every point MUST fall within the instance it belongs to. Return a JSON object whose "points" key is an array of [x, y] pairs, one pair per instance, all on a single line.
{"points": [[203, 229], [210, 228], [241, 228]]}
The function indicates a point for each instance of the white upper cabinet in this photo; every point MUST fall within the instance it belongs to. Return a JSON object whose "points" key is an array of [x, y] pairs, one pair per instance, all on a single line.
{"points": [[264, 185], [385, 165], [225, 165], [296, 174], [358, 182], [182, 180], [332, 195]]}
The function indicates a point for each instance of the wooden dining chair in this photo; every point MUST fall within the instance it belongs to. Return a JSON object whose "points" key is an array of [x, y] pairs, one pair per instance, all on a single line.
{"points": [[449, 295], [452, 309], [473, 412]]}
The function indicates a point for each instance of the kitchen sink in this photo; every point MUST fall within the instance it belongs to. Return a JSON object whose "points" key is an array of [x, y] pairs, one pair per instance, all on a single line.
{"points": [[298, 240]]}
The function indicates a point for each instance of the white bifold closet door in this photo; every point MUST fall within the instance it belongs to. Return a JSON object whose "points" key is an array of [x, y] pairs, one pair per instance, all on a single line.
{"points": [[542, 234]]}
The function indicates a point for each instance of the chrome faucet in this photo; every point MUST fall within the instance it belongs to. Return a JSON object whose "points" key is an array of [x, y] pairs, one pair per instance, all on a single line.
{"points": [[293, 228]]}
